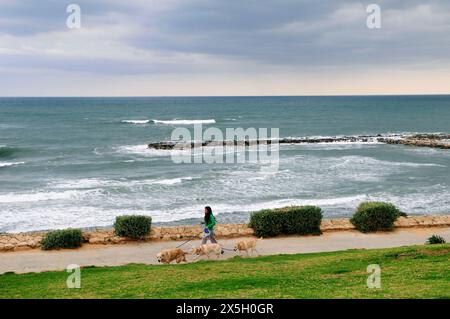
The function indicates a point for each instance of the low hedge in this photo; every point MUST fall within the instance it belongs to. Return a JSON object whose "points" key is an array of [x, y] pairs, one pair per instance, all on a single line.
{"points": [[132, 226], [436, 239], [292, 220], [66, 238], [375, 216]]}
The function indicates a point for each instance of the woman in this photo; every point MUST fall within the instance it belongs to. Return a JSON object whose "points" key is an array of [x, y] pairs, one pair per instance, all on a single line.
{"points": [[209, 222]]}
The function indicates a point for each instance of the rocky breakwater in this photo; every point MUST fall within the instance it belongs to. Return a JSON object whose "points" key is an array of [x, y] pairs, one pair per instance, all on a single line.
{"points": [[169, 145], [441, 141], [424, 140]]}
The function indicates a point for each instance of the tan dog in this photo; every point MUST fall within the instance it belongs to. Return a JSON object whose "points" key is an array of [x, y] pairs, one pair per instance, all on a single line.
{"points": [[246, 245], [208, 249], [169, 255]]}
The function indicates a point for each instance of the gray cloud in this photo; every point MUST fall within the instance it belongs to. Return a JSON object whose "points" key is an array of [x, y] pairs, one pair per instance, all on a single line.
{"points": [[209, 36]]}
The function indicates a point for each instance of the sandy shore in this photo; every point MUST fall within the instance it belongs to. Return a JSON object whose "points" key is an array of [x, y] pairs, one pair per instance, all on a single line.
{"points": [[121, 254]]}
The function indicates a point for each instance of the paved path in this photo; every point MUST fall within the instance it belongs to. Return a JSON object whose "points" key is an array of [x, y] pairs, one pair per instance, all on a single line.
{"points": [[113, 255]]}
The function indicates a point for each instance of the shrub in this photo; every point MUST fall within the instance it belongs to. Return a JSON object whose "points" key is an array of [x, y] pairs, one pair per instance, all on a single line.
{"points": [[298, 220], [436, 239], [302, 220], [267, 223], [132, 226], [375, 216], [66, 238]]}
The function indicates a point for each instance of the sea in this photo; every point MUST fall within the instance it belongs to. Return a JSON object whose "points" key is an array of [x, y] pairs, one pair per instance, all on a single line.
{"points": [[80, 162]]}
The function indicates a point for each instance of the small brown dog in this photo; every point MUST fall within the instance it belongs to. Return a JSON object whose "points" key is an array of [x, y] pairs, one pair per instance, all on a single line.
{"points": [[169, 255], [208, 249], [246, 245]]}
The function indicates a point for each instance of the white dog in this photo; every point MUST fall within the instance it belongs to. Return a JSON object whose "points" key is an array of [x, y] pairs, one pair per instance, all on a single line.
{"points": [[208, 249], [246, 245]]}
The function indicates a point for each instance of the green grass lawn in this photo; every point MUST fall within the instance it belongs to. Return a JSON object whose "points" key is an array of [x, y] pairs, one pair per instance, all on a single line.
{"points": [[407, 272]]}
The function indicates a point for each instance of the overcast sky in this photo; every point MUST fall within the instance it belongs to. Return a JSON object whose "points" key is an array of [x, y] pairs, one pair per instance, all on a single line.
{"points": [[223, 47]]}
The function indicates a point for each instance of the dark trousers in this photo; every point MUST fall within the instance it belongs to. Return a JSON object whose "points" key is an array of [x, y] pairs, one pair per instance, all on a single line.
{"points": [[210, 236]]}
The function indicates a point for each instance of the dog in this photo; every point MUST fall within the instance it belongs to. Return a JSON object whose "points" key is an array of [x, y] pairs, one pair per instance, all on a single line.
{"points": [[246, 245], [168, 255], [208, 249]]}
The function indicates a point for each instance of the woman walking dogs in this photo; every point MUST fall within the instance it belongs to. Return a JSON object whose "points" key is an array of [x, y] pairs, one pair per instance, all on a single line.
{"points": [[209, 223]]}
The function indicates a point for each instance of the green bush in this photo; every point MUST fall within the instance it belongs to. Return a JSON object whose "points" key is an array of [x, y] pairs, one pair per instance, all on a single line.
{"points": [[66, 238], [267, 223], [436, 239], [302, 220], [375, 216], [293, 220], [132, 226]]}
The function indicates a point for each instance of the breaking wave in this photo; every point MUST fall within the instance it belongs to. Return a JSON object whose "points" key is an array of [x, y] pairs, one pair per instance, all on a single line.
{"points": [[169, 122], [184, 122], [10, 164], [136, 121]]}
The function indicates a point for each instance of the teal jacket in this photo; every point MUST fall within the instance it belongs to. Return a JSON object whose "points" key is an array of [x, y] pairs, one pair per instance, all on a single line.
{"points": [[211, 223]]}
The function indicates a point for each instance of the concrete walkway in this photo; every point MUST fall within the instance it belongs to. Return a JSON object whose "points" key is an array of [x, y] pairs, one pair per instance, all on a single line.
{"points": [[114, 255]]}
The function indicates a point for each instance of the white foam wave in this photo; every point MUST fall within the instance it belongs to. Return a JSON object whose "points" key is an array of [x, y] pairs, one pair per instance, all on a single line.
{"points": [[353, 161], [42, 196], [143, 150], [170, 181], [11, 164], [287, 202], [136, 121], [80, 183], [93, 183], [184, 122]]}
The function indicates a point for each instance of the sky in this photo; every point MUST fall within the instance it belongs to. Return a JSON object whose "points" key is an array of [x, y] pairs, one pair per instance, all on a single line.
{"points": [[224, 47]]}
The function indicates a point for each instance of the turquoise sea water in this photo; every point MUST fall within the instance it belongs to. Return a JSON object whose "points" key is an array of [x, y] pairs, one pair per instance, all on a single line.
{"points": [[79, 162]]}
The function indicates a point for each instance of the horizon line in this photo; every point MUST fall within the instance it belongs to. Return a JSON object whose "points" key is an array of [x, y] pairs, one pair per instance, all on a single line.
{"points": [[224, 96]]}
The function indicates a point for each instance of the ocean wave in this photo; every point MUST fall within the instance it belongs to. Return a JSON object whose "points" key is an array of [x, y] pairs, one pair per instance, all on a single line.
{"points": [[42, 196], [136, 121], [170, 181], [144, 150], [169, 122], [332, 201], [82, 183], [354, 161], [11, 164], [184, 122], [6, 151], [94, 183]]}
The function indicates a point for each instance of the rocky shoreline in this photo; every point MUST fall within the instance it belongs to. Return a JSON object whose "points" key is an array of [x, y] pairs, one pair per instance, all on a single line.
{"points": [[27, 241], [421, 140]]}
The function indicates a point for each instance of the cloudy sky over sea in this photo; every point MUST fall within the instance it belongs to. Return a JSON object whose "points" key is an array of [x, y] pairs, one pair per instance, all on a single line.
{"points": [[223, 47]]}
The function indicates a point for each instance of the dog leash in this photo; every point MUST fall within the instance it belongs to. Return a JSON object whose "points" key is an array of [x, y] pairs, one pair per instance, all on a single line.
{"points": [[194, 237], [190, 239]]}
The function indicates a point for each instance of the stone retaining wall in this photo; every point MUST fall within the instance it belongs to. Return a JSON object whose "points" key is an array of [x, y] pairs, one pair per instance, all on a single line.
{"points": [[25, 241]]}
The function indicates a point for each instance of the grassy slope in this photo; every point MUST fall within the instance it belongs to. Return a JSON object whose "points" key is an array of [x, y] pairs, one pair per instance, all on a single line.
{"points": [[408, 272]]}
